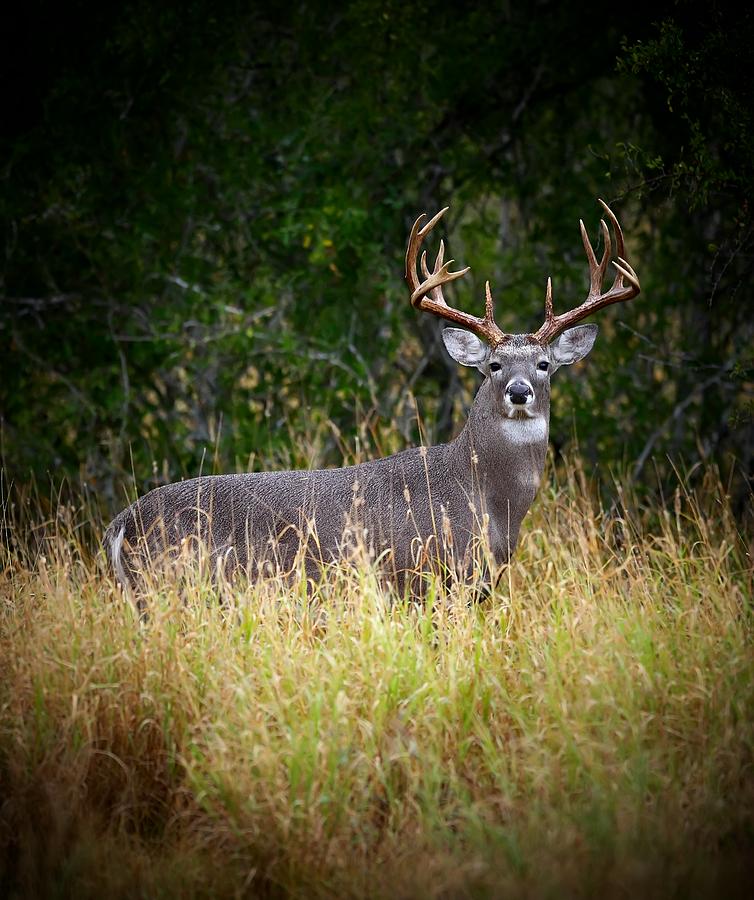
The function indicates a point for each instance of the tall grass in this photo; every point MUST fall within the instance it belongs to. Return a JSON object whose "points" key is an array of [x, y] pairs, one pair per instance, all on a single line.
{"points": [[587, 731]]}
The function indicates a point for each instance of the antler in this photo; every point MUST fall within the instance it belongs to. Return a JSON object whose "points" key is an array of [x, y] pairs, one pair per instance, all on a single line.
{"points": [[427, 294], [595, 300]]}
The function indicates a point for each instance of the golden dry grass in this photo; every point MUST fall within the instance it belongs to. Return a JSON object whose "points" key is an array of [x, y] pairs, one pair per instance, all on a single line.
{"points": [[588, 731]]}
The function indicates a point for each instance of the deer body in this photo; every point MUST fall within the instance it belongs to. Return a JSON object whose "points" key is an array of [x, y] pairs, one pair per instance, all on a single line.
{"points": [[424, 504], [425, 508]]}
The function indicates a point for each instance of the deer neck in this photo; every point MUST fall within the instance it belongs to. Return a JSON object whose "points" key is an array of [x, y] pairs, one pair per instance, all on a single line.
{"points": [[506, 457]]}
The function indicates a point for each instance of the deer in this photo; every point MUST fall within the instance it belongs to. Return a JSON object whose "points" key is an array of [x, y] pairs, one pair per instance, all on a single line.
{"points": [[425, 509]]}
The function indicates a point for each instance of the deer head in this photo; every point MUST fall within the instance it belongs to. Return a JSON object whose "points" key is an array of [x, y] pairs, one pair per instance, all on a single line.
{"points": [[517, 367]]}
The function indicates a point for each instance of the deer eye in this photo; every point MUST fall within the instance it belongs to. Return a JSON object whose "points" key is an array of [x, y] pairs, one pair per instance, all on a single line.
{"points": [[495, 367], [544, 365]]}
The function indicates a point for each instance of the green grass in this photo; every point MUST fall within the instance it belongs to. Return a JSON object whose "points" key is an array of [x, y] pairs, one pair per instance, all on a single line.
{"points": [[589, 731]]}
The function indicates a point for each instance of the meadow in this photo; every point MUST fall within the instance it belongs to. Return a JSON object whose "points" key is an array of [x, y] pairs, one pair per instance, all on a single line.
{"points": [[587, 731]]}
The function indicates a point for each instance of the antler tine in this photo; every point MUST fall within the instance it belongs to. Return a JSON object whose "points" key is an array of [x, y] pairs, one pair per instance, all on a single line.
{"points": [[549, 315], [489, 304], [627, 271], [436, 293], [620, 249], [411, 250], [427, 294], [596, 299], [439, 260], [596, 271]]}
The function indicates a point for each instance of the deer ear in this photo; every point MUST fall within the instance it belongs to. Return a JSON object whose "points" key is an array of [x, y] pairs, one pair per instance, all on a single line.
{"points": [[572, 345], [465, 347]]}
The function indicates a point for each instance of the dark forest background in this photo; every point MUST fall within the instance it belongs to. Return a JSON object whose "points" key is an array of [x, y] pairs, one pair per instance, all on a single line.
{"points": [[205, 206]]}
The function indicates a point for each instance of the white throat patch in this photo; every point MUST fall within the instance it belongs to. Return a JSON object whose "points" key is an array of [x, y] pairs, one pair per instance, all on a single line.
{"points": [[525, 431]]}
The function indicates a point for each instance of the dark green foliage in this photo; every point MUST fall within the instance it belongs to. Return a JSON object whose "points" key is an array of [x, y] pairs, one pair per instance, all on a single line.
{"points": [[205, 211]]}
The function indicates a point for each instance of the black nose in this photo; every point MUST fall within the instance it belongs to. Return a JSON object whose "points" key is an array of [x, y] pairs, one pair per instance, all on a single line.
{"points": [[519, 392]]}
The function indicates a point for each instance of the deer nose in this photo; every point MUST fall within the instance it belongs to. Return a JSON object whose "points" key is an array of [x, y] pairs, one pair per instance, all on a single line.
{"points": [[519, 392]]}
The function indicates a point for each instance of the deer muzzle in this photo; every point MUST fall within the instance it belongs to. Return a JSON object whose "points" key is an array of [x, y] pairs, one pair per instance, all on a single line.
{"points": [[519, 392]]}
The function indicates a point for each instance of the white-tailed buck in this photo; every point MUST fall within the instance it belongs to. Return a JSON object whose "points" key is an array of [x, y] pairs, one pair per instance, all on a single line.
{"points": [[425, 508]]}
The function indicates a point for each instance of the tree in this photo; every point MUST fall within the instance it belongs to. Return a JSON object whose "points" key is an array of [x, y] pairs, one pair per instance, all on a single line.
{"points": [[207, 215]]}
